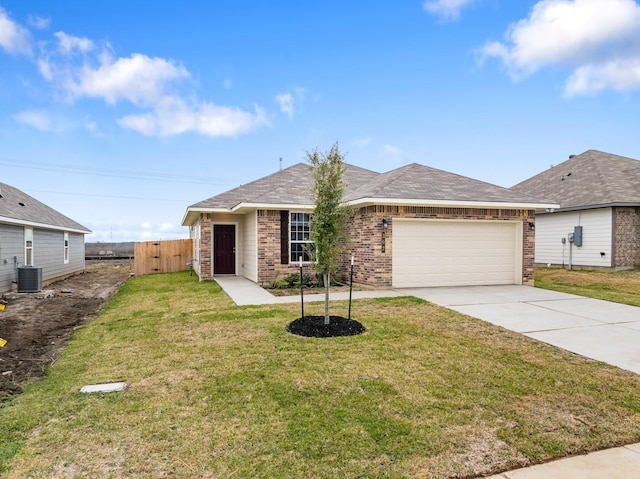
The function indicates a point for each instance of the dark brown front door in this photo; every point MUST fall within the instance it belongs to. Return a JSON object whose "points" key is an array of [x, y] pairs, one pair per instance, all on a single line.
{"points": [[224, 249]]}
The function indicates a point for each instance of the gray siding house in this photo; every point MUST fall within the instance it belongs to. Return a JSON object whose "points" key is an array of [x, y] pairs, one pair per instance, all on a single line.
{"points": [[33, 234], [598, 222]]}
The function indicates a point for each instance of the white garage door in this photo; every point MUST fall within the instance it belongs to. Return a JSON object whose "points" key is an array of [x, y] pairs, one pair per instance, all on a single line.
{"points": [[455, 253]]}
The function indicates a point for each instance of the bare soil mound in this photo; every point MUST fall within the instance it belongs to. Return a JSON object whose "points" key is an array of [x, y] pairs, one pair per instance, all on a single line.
{"points": [[36, 330]]}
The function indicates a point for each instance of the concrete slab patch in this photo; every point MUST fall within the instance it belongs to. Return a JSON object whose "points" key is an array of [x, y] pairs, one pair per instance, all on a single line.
{"points": [[613, 344], [596, 309], [459, 296], [634, 447], [617, 463], [524, 317], [104, 388], [635, 326]]}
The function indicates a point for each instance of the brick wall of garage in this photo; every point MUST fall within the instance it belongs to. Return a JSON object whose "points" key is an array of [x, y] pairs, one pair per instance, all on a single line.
{"points": [[373, 261], [626, 237]]}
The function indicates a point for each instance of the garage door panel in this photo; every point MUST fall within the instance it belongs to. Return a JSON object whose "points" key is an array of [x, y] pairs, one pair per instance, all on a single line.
{"points": [[452, 253]]}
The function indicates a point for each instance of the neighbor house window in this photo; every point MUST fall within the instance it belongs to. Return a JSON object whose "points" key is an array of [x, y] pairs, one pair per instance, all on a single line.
{"points": [[300, 237], [66, 248], [28, 246]]}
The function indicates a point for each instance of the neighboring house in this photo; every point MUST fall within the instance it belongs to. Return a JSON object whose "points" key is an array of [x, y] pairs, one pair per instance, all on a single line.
{"points": [[413, 226], [599, 198], [33, 234]]}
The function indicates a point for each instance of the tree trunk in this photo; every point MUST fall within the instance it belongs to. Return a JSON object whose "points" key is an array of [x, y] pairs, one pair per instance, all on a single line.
{"points": [[327, 280]]}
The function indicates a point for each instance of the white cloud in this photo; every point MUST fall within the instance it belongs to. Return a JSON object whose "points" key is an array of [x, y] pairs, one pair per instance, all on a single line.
{"points": [[290, 100], [598, 38], [621, 75], [285, 100], [77, 69], [446, 9], [172, 116], [393, 153], [138, 79], [46, 69], [14, 38], [35, 119], [68, 43], [38, 22]]}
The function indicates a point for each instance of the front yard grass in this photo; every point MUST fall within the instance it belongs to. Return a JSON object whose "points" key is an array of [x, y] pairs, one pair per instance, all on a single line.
{"points": [[619, 287], [223, 391]]}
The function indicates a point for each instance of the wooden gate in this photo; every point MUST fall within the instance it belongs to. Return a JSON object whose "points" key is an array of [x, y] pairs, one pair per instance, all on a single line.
{"points": [[163, 256]]}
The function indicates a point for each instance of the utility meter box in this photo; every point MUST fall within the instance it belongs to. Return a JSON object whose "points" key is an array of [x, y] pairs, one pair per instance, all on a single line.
{"points": [[577, 235]]}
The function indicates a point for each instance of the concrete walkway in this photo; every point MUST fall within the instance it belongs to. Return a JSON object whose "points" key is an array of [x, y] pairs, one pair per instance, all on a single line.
{"points": [[616, 463], [246, 293], [600, 330]]}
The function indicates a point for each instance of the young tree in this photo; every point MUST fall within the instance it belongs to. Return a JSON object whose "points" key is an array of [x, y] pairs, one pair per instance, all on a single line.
{"points": [[330, 219]]}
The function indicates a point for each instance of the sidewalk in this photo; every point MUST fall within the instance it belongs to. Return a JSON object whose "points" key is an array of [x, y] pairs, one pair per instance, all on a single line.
{"points": [[247, 293], [617, 463]]}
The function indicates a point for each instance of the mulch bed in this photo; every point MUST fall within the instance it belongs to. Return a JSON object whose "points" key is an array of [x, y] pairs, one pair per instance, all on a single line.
{"points": [[314, 327]]}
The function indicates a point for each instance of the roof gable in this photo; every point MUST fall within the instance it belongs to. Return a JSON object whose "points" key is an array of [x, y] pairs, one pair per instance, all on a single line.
{"points": [[412, 184], [289, 186], [20, 208], [593, 178], [419, 182]]}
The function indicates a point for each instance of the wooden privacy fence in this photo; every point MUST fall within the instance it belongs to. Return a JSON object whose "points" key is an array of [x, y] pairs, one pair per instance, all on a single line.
{"points": [[163, 256]]}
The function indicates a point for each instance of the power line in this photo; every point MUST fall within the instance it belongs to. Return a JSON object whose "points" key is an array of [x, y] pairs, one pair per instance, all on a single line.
{"points": [[110, 196], [105, 172]]}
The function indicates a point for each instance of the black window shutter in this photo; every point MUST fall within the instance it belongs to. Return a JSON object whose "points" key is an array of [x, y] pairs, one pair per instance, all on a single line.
{"points": [[284, 237]]}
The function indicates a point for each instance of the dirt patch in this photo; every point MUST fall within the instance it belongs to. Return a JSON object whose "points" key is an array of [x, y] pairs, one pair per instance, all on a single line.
{"points": [[36, 330]]}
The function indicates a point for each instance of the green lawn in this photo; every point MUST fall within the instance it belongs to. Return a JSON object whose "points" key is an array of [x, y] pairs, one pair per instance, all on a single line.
{"points": [[223, 391], [620, 286]]}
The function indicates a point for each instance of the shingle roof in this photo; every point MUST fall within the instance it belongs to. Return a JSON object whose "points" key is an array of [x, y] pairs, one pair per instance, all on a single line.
{"points": [[289, 186], [593, 178], [419, 182], [412, 183], [19, 207]]}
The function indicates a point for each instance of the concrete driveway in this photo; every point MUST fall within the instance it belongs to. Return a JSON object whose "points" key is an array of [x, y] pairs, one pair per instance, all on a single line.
{"points": [[601, 330]]}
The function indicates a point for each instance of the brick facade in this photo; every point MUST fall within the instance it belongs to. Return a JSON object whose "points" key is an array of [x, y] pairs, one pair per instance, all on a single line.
{"points": [[366, 232], [269, 262], [626, 237], [206, 246]]}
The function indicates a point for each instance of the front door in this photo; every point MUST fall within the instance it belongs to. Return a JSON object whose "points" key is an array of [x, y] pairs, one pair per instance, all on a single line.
{"points": [[224, 249]]}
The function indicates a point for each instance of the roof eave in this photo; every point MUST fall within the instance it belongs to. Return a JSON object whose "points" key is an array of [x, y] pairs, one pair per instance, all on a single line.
{"points": [[33, 224], [452, 203], [193, 213], [590, 207]]}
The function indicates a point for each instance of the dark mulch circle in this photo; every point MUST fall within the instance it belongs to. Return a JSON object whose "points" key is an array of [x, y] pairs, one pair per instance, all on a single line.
{"points": [[314, 327]]}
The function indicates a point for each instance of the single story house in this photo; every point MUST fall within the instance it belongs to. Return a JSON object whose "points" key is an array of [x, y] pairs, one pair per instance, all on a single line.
{"points": [[33, 234], [598, 221], [413, 226]]}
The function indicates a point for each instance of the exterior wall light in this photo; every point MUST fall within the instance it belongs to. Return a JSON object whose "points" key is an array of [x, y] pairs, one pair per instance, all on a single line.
{"points": [[532, 226], [385, 225]]}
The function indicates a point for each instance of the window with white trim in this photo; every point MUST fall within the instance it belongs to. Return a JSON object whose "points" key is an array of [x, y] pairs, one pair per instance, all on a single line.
{"points": [[28, 246], [66, 248], [300, 244]]}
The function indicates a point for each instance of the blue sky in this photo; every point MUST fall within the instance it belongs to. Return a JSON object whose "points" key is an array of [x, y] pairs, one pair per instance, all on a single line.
{"points": [[121, 114]]}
